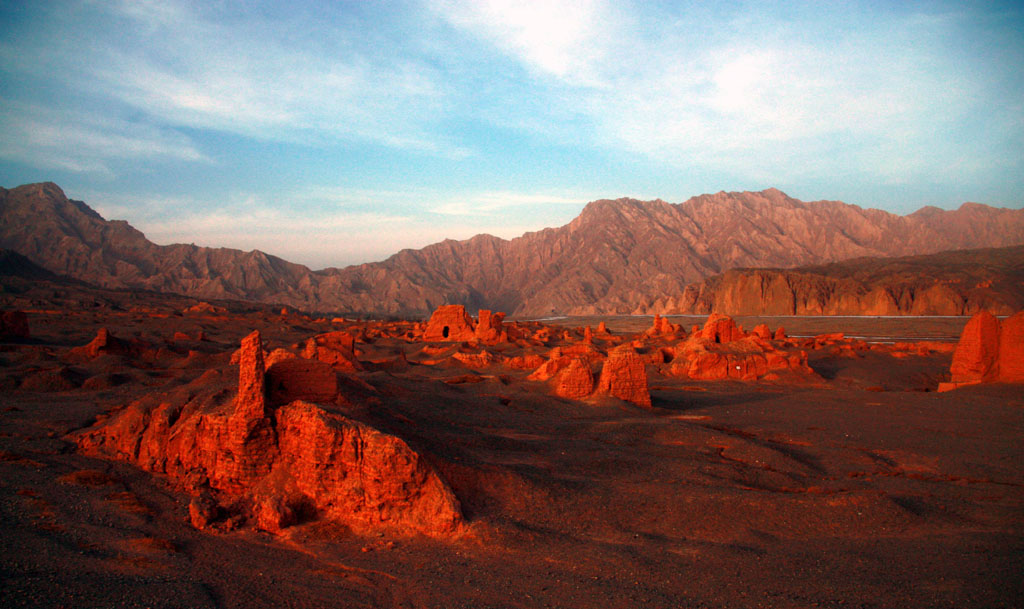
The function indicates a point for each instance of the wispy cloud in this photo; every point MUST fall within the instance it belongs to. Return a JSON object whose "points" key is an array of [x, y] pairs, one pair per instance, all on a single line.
{"points": [[247, 221], [285, 77], [563, 39], [485, 204], [309, 75], [80, 142], [470, 205], [744, 92]]}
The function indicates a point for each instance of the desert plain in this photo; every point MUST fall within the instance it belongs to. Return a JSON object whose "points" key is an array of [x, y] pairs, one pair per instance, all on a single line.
{"points": [[843, 480]]}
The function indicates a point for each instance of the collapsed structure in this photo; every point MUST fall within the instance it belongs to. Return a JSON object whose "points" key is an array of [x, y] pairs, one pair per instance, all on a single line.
{"points": [[245, 461], [988, 351]]}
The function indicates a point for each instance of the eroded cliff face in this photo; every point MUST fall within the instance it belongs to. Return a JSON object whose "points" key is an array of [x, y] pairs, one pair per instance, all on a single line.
{"points": [[948, 283], [621, 256]]}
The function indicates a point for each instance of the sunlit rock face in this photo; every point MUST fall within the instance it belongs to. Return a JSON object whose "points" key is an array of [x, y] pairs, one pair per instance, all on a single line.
{"points": [[449, 323], [958, 282], [334, 348], [576, 381], [274, 468], [1011, 349], [623, 376], [721, 350], [988, 351]]}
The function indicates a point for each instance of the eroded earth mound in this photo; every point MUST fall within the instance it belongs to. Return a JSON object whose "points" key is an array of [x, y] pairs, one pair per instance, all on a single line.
{"points": [[989, 351], [273, 468]]}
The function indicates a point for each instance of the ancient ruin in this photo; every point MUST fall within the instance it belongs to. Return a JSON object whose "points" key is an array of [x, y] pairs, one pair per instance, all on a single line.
{"points": [[276, 467], [988, 351]]}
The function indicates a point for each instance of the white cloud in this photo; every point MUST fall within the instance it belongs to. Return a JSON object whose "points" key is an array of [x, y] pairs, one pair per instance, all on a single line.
{"points": [[753, 95], [279, 78], [85, 143], [563, 39], [492, 203]]}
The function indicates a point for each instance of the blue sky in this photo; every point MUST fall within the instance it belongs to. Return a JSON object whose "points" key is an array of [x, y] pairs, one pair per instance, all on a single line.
{"points": [[340, 132]]}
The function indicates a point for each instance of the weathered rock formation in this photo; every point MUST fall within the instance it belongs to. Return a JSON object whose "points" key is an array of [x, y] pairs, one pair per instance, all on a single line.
{"points": [[619, 256], [575, 381], [623, 376], [977, 353], [490, 327], [104, 343], [450, 323], [949, 283], [719, 329], [205, 308], [334, 348], [1011, 349], [721, 350], [278, 467], [662, 327], [553, 365], [988, 351], [355, 474], [478, 359]]}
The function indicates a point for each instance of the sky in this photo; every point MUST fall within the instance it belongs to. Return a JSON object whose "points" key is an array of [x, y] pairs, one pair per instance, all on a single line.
{"points": [[335, 133]]}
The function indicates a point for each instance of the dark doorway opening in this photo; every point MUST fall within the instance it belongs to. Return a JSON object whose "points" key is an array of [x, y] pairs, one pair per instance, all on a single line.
{"points": [[444, 332]]}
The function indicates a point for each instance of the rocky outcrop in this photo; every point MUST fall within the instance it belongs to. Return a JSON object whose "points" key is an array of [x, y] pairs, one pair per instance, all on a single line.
{"points": [[575, 381], [720, 350], [719, 329], [661, 327], [525, 362], [744, 360], [988, 351], [334, 348], [490, 327], [450, 323], [274, 468], [204, 308], [948, 283], [355, 474], [621, 256], [977, 353], [479, 359], [623, 376], [555, 363], [104, 343]]}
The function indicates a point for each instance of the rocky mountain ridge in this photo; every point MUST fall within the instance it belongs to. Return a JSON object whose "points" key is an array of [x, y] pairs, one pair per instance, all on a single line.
{"points": [[617, 256]]}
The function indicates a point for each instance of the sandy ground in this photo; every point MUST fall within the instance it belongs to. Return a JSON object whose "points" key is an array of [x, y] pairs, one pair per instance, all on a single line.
{"points": [[866, 490]]}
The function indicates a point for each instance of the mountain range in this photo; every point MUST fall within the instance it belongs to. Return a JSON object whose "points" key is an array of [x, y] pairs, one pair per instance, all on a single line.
{"points": [[617, 256]]}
